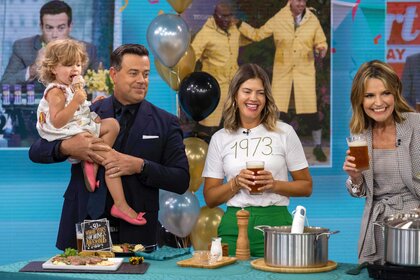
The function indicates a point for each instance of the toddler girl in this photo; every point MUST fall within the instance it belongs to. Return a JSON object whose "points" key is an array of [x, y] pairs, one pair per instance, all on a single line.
{"points": [[64, 112]]}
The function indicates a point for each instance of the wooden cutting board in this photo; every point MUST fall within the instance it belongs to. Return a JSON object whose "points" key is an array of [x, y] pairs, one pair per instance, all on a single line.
{"points": [[195, 263], [260, 264]]}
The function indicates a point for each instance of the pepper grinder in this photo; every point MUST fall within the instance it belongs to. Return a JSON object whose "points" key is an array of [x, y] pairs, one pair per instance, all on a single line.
{"points": [[242, 244]]}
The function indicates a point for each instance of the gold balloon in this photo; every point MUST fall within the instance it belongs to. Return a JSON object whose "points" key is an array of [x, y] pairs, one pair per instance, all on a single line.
{"points": [[196, 151], [206, 227], [166, 75], [173, 76], [179, 5], [186, 64]]}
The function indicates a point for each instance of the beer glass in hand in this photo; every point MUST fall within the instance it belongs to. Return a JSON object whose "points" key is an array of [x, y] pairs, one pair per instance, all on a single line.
{"points": [[359, 150], [255, 166]]}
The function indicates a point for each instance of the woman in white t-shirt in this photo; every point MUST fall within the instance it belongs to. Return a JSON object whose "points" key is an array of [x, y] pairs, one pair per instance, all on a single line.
{"points": [[252, 132]]}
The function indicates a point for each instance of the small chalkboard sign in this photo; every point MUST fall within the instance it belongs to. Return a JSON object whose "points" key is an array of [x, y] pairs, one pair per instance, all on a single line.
{"points": [[96, 235]]}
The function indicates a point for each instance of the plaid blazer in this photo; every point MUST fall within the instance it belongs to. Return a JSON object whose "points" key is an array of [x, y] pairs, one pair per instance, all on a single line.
{"points": [[408, 158]]}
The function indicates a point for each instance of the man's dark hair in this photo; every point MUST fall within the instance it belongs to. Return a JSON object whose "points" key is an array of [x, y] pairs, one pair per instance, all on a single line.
{"points": [[55, 7], [118, 53]]}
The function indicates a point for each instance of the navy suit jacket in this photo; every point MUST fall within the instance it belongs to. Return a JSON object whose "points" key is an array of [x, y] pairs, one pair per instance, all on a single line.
{"points": [[411, 79], [155, 136], [24, 55]]}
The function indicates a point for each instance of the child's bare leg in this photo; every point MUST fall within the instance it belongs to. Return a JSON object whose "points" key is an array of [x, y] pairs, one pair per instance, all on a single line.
{"points": [[109, 132], [117, 192]]}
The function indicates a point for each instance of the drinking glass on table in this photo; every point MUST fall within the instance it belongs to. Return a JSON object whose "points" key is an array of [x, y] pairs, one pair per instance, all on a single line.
{"points": [[79, 237], [359, 150]]}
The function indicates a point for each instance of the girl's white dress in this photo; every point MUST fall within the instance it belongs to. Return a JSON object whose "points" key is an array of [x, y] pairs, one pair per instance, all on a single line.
{"points": [[82, 121]]}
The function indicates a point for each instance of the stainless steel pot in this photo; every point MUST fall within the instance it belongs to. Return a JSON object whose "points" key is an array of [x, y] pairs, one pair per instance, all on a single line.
{"points": [[402, 239], [285, 249]]}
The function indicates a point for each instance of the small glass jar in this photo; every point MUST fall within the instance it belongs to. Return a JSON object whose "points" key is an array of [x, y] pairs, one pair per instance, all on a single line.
{"points": [[201, 257]]}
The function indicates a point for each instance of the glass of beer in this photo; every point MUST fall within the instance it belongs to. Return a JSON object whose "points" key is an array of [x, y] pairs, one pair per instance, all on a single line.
{"points": [[79, 237], [359, 150], [255, 166]]}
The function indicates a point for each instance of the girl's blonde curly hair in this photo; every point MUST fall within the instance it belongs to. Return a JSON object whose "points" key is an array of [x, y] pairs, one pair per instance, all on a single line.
{"points": [[65, 52]]}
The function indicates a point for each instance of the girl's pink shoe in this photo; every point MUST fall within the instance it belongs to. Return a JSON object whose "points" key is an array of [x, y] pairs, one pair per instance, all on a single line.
{"points": [[89, 176], [139, 220]]}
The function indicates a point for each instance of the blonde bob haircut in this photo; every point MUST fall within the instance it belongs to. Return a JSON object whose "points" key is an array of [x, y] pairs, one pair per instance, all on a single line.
{"points": [[375, 69], [230, 110], [66, 52]]}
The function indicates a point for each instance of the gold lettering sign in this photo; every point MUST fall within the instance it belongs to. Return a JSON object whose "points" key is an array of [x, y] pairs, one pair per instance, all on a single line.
{"points": [[96, 235]]}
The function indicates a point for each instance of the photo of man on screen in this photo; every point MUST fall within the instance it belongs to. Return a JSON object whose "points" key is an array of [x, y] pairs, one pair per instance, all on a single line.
{"points": [[55, 23]]}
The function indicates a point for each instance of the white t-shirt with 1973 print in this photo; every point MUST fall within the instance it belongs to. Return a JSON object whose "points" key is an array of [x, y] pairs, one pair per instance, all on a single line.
{"points": [[281, 150]]}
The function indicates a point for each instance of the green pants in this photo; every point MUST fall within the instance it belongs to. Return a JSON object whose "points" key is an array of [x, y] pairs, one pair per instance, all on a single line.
{"points": [[269, 216]]}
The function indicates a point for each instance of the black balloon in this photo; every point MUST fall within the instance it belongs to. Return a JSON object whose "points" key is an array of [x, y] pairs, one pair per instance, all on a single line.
{"points": [[199, 94]]}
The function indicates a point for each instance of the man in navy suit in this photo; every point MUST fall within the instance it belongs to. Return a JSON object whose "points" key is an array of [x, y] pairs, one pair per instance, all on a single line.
{"points": [[411, 79], [149, 155], [55, 23]]}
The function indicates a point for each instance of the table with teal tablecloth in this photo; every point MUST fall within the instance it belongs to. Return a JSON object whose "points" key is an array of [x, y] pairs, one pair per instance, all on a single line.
{"points": [[168, 269]]}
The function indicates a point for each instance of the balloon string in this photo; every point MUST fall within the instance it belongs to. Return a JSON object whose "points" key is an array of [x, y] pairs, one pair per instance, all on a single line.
{"points": [[178, 79], [181, 242], [185, 241], [177, 242], [178, 113], [178, 110]]}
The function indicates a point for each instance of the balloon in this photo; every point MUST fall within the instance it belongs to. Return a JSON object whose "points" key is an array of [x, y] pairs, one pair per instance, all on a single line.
{"points": [[196, 150], [168, 37], [162, 193], [178, 213], [169, 75], [173, 76], [199, 94], [206, 227], [179, 5]]}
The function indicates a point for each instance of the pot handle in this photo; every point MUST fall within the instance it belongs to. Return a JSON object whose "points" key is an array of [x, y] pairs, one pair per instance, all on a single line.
{"points": [[327, 234], [262, 228]]}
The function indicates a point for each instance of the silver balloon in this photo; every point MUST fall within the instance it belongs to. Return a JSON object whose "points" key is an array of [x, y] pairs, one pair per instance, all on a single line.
{"points": [[168, 38], [178, 213], [162, 193]]}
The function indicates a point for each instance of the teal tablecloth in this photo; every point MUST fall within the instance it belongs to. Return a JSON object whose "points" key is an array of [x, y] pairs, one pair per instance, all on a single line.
{"points": [[168, 269]]}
